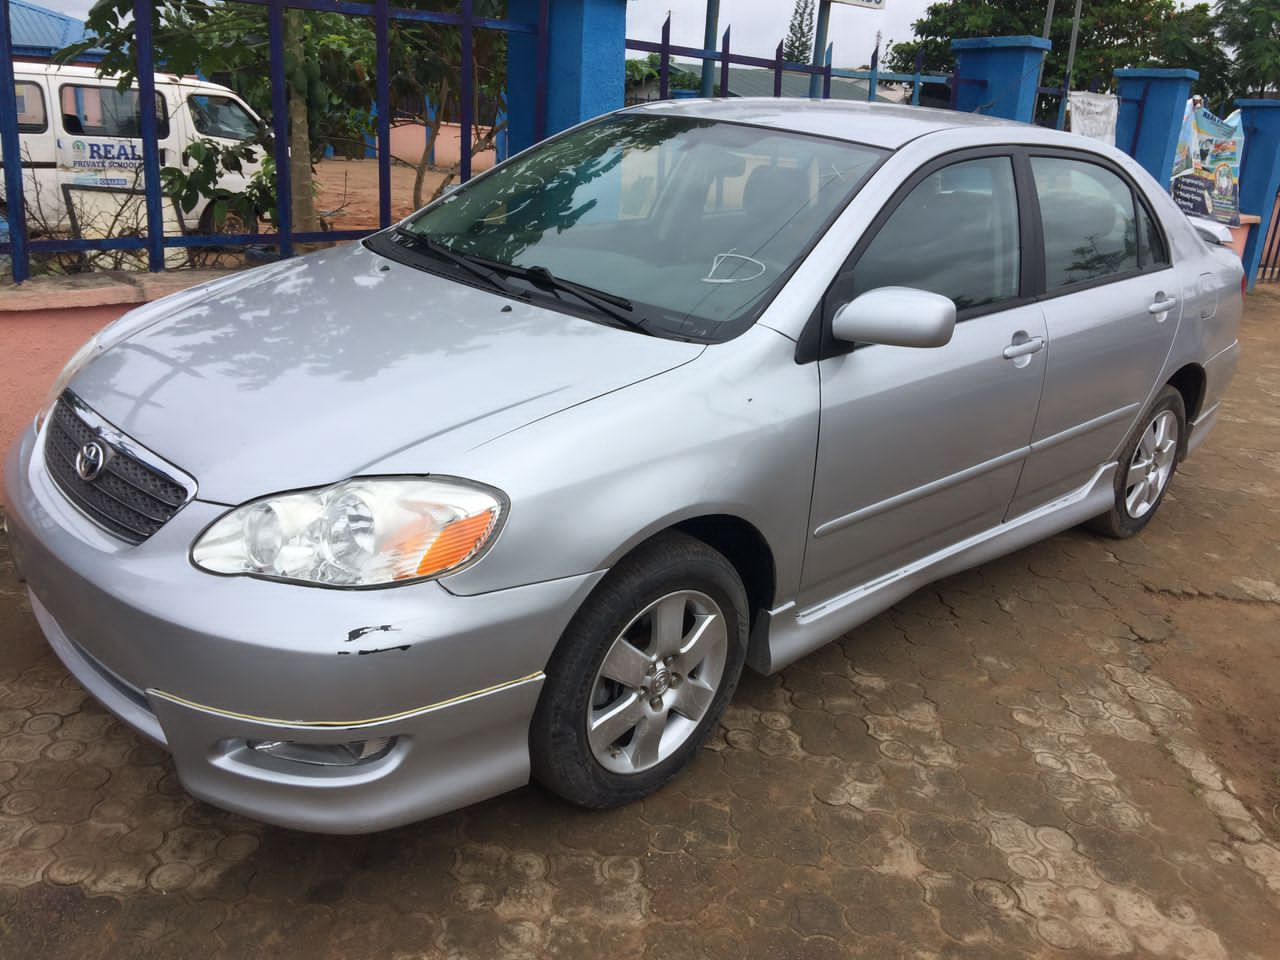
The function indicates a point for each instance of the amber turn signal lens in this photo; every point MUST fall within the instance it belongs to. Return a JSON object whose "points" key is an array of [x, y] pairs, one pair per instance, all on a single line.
{"points": [[456, 542]]}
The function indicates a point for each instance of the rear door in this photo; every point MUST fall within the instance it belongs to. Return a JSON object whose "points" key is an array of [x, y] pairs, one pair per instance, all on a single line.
{"points": [[920, 448], [1112, 304]]}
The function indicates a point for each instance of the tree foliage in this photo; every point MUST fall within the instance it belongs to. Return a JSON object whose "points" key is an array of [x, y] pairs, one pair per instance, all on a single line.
{"points": [[1113, 34], [1252, 29], [798, 46], [330, 63]]}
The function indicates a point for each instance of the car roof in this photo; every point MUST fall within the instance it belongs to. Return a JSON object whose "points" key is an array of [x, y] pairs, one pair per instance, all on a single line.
{"points": [[887, 125], [56, 71]]}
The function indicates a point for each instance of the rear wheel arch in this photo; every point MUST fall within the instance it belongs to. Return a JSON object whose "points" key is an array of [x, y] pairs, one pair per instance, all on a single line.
{"points": [[1190, 381]]}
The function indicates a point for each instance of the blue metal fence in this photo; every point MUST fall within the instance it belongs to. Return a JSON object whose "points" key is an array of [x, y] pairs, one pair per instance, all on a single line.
{"points": [[823, 73], [19, 246]]}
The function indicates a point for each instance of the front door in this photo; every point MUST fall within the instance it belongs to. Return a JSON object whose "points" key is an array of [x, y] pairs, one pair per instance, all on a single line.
{"points": [[920, 448], [1113, 304]]}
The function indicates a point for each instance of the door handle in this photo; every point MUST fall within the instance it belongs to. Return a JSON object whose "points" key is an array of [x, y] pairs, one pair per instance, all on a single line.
{"points": [[1162, 304], [1024, 348]]}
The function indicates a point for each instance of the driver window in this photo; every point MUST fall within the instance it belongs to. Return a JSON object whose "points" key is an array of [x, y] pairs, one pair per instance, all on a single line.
{"points": [[955, 234]]}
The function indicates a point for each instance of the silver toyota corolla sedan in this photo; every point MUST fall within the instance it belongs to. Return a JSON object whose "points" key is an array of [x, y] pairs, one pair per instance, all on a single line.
{"points": [[521, 485]]}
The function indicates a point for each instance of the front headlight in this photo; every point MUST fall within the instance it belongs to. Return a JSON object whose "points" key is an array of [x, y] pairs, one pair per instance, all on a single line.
{"points": [[358, 533]]}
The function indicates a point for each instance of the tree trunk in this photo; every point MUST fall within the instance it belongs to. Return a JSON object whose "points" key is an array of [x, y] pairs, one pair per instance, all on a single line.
{"points": [[303, 205]]}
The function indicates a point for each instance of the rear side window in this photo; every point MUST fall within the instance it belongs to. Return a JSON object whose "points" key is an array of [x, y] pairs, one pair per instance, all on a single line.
{"points": [[1151, 249], [221, 117], [1090, 227], [107, 112], [955, 233], [32, 117]]}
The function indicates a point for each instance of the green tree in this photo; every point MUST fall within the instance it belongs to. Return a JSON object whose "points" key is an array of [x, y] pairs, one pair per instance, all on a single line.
{"points": [[798, 46], [1252, 29], [1113, 34]]}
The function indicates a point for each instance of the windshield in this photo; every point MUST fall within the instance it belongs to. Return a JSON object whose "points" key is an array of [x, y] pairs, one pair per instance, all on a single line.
{"points": [[695, 222]]}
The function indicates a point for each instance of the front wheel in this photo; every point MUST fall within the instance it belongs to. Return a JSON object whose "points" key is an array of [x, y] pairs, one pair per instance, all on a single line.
{"points": [[642, 675], [1147, 465]]}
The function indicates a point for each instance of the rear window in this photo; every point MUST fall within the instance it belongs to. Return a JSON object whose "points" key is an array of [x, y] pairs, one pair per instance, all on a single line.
{"points": [[1090, 232], [32, 117], [107, 112]]}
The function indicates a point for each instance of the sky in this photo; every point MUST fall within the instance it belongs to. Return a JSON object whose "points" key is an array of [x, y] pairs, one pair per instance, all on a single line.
{"points": [[758, 25]]}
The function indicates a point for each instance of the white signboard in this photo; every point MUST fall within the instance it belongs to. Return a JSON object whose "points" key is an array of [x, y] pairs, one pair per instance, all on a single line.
{"points": [[1094, 115], [869, 4]]}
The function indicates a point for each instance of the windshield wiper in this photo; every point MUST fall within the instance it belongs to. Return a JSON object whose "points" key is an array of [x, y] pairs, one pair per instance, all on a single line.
{"points": [[611, 305], [472, 265]]}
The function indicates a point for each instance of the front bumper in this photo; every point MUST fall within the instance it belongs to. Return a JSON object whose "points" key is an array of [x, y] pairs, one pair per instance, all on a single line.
{"points": [[202, 664]]}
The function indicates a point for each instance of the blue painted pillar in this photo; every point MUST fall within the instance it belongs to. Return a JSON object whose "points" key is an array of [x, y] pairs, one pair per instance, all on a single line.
{"points": [[997, 76], [1259, 173], [586, 65], [502, 142], [1152, 101]]}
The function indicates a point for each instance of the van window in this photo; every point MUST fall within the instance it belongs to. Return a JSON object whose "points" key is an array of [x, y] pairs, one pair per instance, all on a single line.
{"points": [[107, 112], [31, 113], [221, 117]]}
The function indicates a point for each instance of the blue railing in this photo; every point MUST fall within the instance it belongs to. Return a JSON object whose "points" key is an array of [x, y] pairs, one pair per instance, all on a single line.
{"points": [[780, 66], [19, 246]]}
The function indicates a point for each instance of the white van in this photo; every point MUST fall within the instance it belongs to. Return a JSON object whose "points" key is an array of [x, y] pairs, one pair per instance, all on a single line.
{"points": [[82, 151]]}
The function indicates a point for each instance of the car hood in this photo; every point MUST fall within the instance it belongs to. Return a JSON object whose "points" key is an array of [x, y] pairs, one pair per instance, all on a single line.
{"points": [[313, 370]]}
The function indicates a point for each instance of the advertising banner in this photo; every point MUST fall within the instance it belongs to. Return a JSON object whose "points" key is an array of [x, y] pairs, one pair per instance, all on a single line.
{"points": [[1206, 167]]}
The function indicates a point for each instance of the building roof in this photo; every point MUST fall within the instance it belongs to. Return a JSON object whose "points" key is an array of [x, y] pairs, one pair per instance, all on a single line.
{"points": [[39, 32], [880, 124], [758, 82]]}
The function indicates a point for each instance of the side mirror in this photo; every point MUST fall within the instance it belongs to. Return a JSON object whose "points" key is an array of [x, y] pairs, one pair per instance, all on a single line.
{"points": [[898, 317]]}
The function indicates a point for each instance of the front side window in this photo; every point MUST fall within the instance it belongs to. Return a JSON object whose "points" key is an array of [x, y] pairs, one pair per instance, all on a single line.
{"points": [[223, 117], [1090, 231], [695, 222], [31, 110], [107, 112], [955, 234]]}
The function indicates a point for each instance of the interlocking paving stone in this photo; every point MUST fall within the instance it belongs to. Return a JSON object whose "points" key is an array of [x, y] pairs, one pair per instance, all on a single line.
{"points": [[994, 768]]}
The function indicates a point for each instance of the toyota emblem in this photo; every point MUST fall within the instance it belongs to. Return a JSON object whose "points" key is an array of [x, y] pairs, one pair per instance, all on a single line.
{"points": [[90, 460]]}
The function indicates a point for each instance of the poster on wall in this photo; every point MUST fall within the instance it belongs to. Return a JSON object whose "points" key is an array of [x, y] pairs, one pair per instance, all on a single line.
{"points": [[1094, 115], [1206, 167]]}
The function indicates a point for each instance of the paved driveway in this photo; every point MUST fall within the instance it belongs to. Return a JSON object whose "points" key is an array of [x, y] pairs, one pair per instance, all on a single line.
{"points": [[1068, 752]]}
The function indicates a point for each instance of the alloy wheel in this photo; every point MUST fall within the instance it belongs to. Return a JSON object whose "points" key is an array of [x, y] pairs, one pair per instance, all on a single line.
{"points": [[657, 681], [1152, 464]]}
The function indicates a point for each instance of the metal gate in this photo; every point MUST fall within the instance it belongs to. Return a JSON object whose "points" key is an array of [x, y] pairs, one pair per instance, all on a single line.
{"points": [[20, 246]]}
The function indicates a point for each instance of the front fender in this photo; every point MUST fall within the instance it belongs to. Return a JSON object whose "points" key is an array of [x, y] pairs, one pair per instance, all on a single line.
{"points": [[733, 432]]}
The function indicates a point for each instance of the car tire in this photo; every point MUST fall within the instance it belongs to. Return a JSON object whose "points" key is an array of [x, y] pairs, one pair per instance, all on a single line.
{"points": [[1146, 467], [663, 696]]}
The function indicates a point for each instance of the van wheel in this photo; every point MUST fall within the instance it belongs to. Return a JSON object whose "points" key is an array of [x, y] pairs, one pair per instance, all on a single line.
{"points": [[232, 224], [1147, 465], [642, 675]]}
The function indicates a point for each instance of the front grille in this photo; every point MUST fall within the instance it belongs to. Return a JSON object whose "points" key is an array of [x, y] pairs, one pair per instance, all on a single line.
{"points": [[129, 497]]}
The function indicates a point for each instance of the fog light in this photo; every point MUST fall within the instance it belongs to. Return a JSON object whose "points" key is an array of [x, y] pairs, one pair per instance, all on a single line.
{"points": [[326, 754]]}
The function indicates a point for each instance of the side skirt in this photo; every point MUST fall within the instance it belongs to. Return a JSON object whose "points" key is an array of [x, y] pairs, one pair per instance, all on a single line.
{"points": [[786, 634]]}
